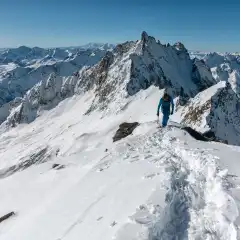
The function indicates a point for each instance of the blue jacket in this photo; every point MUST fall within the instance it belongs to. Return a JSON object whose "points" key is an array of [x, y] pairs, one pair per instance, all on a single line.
{"points": [[166, 106]]}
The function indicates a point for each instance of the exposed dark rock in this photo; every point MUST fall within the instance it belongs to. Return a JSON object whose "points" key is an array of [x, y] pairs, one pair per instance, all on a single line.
{"points": [[113, 224], [144, 36], [100, 218], [58, 166], [57, 152], [6, 216], [124, 130], [195, 134], [195, 113], [106, 61], [206, 137], [179, 46], [210, 134]]}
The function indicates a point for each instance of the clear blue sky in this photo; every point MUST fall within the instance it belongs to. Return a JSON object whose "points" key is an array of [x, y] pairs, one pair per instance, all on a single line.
{"points": [[200, 25]]}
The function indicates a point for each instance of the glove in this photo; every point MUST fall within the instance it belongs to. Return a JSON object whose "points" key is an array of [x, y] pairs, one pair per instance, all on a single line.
{"points": [[171, 113], [158, 114]]}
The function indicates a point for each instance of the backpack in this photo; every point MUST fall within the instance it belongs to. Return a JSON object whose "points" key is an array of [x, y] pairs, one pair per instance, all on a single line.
{"points": [[166, 103]]}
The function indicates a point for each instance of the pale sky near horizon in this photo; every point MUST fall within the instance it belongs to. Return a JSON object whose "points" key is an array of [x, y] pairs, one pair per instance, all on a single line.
{"points": [[201, 25]]}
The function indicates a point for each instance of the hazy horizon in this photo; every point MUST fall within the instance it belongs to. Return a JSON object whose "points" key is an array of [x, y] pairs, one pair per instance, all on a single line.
{"points": [[203, 26]]}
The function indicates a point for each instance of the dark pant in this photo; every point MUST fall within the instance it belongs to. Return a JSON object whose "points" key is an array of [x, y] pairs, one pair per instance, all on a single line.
{"points": [[165, 119]]}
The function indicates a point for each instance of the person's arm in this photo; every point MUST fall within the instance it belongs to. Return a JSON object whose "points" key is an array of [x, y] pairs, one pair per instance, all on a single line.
{"points": [[159, 105], [172, 103]]}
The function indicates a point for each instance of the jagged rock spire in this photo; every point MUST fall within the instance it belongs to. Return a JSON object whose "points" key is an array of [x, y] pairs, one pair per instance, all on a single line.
{"points": [[144, 36], [179, 46]]}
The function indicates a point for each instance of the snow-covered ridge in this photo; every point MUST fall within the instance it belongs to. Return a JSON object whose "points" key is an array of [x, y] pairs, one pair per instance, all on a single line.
{"points": [[197, 205], [131, 67], [154, 184]]}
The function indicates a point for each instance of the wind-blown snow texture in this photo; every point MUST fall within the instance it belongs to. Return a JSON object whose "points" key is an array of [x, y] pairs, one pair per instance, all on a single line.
{"points": [[152, 185], [65, 178]]}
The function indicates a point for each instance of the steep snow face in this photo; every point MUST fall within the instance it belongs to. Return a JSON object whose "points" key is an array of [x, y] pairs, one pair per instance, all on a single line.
{"points": [[155, 184], [215, 110]]}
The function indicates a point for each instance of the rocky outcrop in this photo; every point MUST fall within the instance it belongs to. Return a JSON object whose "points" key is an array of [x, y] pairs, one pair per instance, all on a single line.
{"points": [[180, 47], [196, 135], [7, 216], [224, 117], [216, 112], [124, 130]]}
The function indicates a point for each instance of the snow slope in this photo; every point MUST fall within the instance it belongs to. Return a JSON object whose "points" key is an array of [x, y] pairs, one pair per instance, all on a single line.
{"points": [[155, 184]]}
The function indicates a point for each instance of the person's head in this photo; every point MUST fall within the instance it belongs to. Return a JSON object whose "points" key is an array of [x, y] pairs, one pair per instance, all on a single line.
{"points": [[165, 95]]}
